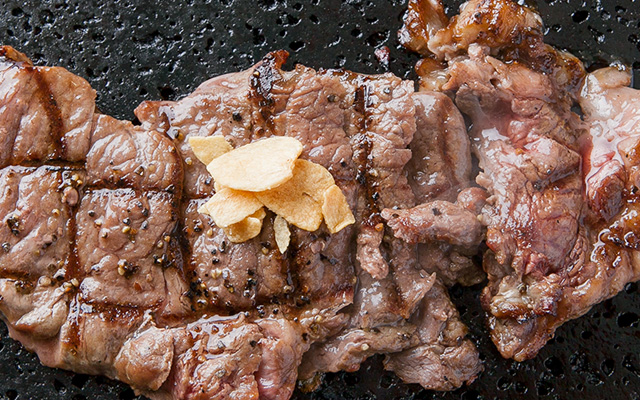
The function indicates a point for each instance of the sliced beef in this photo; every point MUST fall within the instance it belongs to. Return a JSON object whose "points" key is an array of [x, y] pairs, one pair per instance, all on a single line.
{"points": [[95, 235], [37, 311], [145, 359], [346, 351], [121, 246], [380, 148], [437, 220], [611, 168], [440, 169], [494, 23], [34, 233], [282, 347], [545, 247], [510, 31], [440, 164], [442, 358], [106, 266], [214, 358], [217, 106], [530, 167], [368, 124], [555, 237], [234, 276], [391, 283], [91, 337], [422, 20], [243, 107], [48, 115], [122, 155]]}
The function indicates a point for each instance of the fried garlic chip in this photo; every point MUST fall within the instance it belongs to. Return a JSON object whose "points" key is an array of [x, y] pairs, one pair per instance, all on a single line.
{"points": [[246, 229], [229, 206], [282, 233], [258, 166], [312, 179], [335, 210], [208, 148], [298, 200]]}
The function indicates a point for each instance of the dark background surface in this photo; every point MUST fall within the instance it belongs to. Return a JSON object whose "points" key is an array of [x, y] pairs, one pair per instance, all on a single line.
{"points": [[132, 51]]}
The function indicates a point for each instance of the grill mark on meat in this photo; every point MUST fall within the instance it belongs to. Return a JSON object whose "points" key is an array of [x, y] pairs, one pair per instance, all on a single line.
{"points": [[72, 339], [53, 112], [69, 165], [262, 81], [371, 214], [79, 310], [187, 268], [72, 266], [292, 263], [369, 217]]}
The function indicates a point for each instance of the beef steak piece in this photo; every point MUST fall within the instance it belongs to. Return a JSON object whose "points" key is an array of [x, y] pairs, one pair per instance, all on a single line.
{"points": [[107, 267], [555, 236], [367, 124]]}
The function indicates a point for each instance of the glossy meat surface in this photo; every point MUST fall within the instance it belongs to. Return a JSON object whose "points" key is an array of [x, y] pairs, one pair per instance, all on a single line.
{"points": [[109, 269], [560, 216]]}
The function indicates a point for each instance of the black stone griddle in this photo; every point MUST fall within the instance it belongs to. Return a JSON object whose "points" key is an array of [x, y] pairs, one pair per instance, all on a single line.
{"points": [[135, 50]]}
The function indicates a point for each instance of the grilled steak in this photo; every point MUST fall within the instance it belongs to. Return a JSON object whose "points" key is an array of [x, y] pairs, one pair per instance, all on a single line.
{"points": [[560, 238], [369, 121], [109, 269]]}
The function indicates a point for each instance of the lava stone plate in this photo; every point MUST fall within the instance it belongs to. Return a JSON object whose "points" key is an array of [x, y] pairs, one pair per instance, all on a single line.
{"points": [[135, 50]]}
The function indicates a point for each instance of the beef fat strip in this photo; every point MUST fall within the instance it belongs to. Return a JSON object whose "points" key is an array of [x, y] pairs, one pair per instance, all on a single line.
{"points": [[108, 268], [561, 215]]}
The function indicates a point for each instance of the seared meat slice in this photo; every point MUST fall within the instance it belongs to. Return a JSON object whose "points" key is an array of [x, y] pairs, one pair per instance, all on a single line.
{"points": [[611, 111], [145, 360], [442, 358], [367, 122], [48, 112], [387, 128], [316, 275], [544, 243], [34, 234], [391, 284], [87, 222], [550, 259], [493, 23], [282, 347], [423, 20], [346, 351], [440, 164], [512, 32], [117, 265], [214, 358], [530, 167], [439, 169], [438, 220], [122, 155], [243, 107]]}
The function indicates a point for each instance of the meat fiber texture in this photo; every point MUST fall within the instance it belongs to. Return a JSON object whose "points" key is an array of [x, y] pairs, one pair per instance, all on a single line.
{"points": [[107, 267], [562, 212]]}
